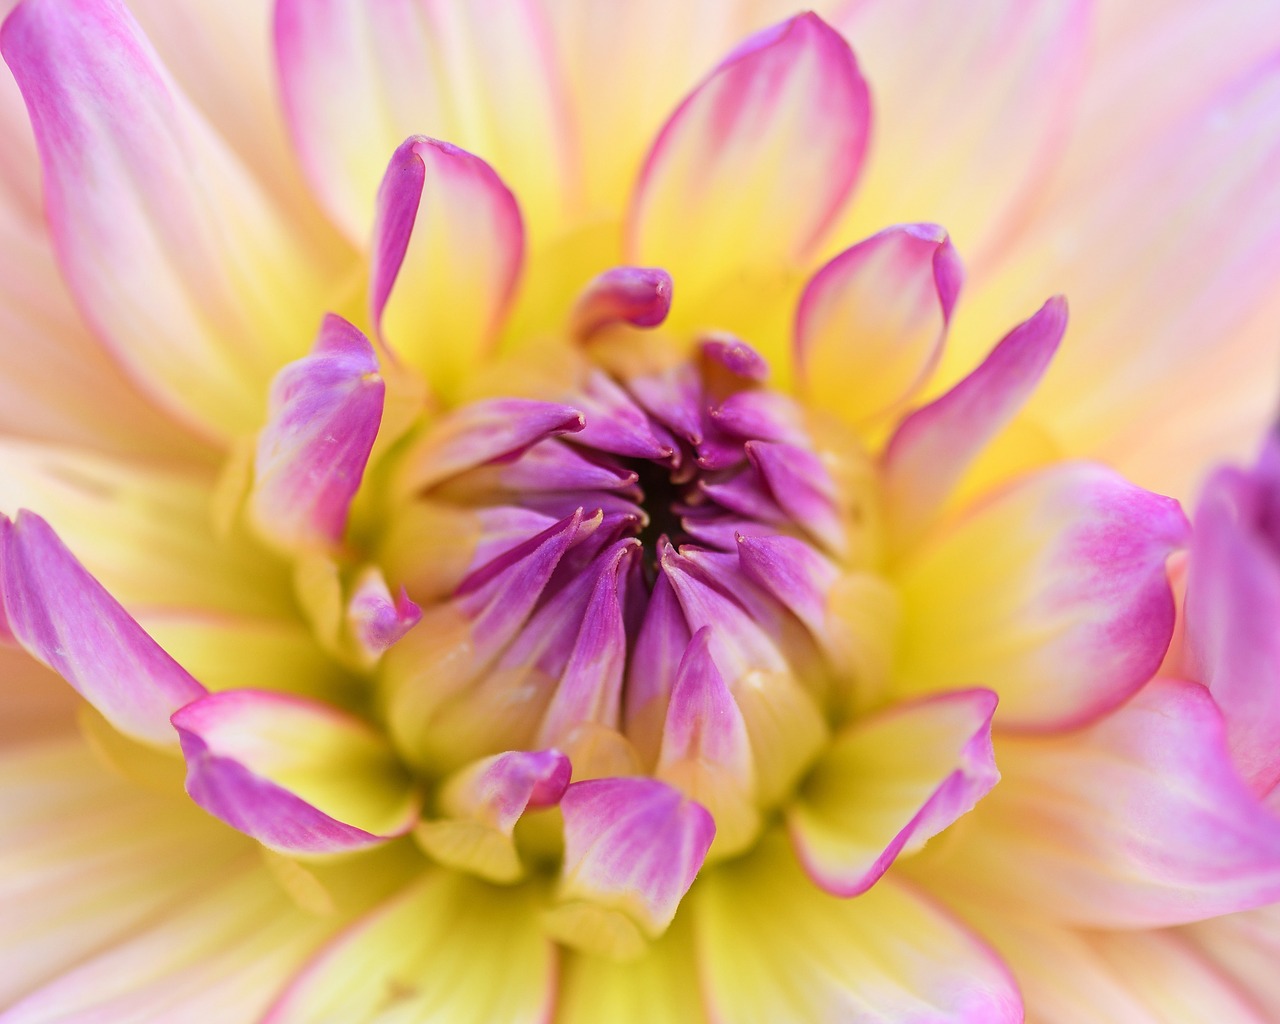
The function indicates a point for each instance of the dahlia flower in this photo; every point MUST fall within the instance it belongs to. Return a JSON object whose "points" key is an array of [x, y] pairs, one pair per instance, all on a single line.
{"points": [[538, 526]]}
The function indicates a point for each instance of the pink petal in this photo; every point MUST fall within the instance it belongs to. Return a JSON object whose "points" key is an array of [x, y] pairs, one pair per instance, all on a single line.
{"points": [[632, 848], [375, 618], [1139, 821], [871, 323], [1053, 593], [324, 415], [1233, 607], [65, 618], [175, 256], [640, 296], [889, 784], [358, 79], [756, 161], [297, 775], [772, 946], [449, 233], [931, 449], [655, 659]]}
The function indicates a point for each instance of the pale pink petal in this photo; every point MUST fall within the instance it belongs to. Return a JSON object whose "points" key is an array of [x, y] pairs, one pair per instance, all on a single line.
{"points": [[1125, 977], [1176, 298], [448, 243], [38, 705], [176, 257], [752, 166], [871, 323], [88, 857], [65, 617], [632, 849], [448, 947], [930, 450], [1138, 821], [322, 419], [357, 79], [889, 784], [970, 113], [221, 954], [774, 947], [1244, 947], [1233, 607], [1052, 592], [297, 775]]}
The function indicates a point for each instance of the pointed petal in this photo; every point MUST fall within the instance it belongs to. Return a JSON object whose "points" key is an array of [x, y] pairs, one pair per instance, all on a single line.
{"points": [[297, 775], [774, 947], [1053, 593], [1232, 606], [632, 849], [481, 804], [931, 449], [65, 617], [437, 949], [375, 619], [1138, 821], [322, 420], [655, 659], [752, 166], [173, 253], [889, 784], [357, 80], [448, 243], [871, 323]]}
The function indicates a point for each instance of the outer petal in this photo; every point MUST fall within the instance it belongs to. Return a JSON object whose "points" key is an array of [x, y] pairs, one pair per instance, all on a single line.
{"points": [[774, 947], [890, 783], [1177, 296], [174, 255], [1053, 593], [871, 323], [970, 114], [752, 166], [933, 447], [88, 858], [357, 79], [447, 948], [632, 849], [1127, 977], [221, 955], [1233, 606], [1139, 821], [323, 418], [297, 775], [448, 242], [65, 617], [1244, 947]]}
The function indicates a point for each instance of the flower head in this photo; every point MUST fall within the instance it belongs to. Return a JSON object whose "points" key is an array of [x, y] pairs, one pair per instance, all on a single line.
{"points": [[644, 587]]}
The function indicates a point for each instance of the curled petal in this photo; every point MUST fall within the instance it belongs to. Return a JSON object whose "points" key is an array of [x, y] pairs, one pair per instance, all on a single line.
{"points": [[890, 783], [66, 619], [1053, 593], [640, 296], [375, 619], [931, 449], [297, 775], [632, 849], [871, 324], [448, 244], [752, 166], [481, 805], [324, 415]]}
